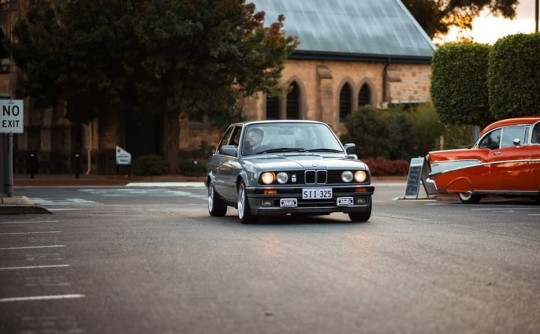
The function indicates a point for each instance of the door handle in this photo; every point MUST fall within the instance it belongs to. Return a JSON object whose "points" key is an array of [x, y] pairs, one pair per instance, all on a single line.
{"points": [[497, 153]]}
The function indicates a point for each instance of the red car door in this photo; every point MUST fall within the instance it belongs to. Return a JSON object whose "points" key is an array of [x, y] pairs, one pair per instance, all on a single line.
{"points": [[510, 165]]}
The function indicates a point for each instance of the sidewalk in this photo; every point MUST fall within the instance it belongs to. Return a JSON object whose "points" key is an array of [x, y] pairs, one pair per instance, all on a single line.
{"points": [[23, 205]]}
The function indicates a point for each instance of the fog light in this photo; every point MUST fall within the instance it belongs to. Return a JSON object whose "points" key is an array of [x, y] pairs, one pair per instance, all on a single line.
{"points": [[266, 202], [360, 200]]}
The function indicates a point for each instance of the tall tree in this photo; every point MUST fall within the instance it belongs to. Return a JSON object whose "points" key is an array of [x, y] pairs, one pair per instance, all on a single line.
{"points": [[155, 56], [437, 16]]}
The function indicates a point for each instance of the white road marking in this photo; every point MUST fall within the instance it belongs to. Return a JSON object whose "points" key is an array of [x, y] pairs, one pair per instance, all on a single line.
{"points": [[36, 267], [34, 298], [25, 233], [32, 247], [67, 201], [167, 184], [30, 222]]}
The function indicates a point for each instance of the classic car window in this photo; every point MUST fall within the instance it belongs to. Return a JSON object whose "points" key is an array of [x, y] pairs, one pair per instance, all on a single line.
{"points": [[510, 133], [491, 140], [290, 137], [535, 136], [225, 139]]}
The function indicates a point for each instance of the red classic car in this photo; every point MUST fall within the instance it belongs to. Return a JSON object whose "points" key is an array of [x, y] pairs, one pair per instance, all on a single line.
{"points": [[505, 160]]}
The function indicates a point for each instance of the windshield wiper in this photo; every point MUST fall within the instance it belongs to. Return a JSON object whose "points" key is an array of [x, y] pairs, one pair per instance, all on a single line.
{"points": [[282, 149], [324, 150]]}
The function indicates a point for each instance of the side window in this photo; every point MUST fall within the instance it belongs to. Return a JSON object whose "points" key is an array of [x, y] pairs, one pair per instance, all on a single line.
{"points": [[491, 140], [236, 136], [225, 139], [535, 136], [510, 133]]}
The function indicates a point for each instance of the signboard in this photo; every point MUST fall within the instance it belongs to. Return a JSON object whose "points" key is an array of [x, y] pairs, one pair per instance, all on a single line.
{"points": [[11, 116], [123, 157], [413, 178]]}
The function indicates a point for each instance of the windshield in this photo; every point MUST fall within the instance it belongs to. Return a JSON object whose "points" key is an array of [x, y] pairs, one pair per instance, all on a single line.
{"points": [[289, 137]]}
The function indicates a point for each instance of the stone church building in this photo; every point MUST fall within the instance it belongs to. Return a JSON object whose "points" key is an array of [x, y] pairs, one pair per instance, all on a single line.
{"points": [[351, 53]]}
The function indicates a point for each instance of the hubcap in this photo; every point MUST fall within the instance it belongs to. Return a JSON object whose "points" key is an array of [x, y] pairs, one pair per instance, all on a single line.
{"points": [[210, 197], [241, 200]]}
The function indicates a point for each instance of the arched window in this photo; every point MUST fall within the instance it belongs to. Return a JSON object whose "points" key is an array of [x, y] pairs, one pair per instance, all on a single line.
{"points": [[345, 102], [364, 95], [272, 107], [293, 102]]}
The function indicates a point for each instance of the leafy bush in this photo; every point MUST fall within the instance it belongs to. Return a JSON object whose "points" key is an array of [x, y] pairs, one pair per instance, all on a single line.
{"points": [[149, 165], [192, 167], [383, 167], [395, 134]]}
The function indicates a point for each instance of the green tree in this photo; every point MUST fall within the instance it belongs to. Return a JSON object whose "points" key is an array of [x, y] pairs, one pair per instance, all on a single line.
{"points": [[437, 16], [459, 83], [514, 76], [153, 56]]}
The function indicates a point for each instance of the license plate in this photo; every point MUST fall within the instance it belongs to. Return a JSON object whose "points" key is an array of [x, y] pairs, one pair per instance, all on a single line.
{"points": [[316, 193], [288, 203], [344, 201]]}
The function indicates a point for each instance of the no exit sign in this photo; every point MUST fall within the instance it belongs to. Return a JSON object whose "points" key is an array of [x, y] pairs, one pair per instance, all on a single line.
{"points": [[11, 116]]}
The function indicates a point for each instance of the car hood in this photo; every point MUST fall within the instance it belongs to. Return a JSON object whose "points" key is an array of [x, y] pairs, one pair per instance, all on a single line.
{"points": [[301, 161]]}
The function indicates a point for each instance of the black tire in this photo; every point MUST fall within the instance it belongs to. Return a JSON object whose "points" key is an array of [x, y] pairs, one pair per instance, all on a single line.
{"points": [[216, 205], [361, 216], [244, 211], [469, 198]]}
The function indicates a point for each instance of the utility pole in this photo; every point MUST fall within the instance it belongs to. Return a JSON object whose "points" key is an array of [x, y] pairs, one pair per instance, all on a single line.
{"points": [[536, 16]]}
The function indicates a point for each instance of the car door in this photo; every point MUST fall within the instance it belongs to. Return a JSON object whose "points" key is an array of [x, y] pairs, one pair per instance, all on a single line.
{"points": [[535, 155], [217, 160], [510, 167], [227, 166]]}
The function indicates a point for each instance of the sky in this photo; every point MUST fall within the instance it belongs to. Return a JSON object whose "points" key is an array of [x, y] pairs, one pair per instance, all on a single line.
{"points": [[488, 28]]}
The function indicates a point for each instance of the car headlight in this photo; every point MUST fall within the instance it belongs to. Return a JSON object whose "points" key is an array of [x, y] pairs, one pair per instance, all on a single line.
{"points": [[360, 176], [347, 176], [282, 177], [267, 178]]}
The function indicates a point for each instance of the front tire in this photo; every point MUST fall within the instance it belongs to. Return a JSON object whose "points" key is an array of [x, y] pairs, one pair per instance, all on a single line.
{"points": [[244, 211], [216, 205], [469, 198], [361, 216]]}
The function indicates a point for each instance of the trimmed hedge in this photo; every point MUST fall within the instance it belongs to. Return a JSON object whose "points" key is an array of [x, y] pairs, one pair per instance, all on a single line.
{"points": [[514, 76], [383, 167], [149, 165], [459, 89]]}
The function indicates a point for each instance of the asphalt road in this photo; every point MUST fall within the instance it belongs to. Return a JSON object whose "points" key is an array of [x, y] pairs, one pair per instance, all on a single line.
{"points": [[151, 260]]}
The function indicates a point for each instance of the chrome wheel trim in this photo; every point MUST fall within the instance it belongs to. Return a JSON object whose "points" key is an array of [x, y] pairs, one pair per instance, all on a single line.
{"points": [[210, 197], [241, 202], [465, 196]]}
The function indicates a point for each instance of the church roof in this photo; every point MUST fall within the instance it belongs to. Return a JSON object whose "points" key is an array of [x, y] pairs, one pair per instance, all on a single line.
{"points": [[373, 30]]}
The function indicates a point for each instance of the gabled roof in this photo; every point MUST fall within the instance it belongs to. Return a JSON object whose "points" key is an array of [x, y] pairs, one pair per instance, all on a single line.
{"points": [[373, 30]]}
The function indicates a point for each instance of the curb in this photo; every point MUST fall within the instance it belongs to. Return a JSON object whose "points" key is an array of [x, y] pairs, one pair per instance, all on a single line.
{"points": [[20, 205]]}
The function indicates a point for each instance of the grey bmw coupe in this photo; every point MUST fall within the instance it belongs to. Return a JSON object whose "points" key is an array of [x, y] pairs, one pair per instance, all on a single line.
{"points": [[286, 167]]}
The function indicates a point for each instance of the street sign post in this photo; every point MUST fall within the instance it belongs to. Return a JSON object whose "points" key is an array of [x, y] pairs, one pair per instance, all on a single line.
{"points": [[11, 121]]}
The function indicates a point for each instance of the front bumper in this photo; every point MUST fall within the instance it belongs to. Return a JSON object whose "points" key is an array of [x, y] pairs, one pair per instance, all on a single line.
{"points": [[269, 204]]}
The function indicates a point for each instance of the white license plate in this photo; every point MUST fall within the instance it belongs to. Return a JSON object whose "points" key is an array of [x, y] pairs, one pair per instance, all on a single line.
{"points": [[288, 203], [316, 193], [344, 201]]}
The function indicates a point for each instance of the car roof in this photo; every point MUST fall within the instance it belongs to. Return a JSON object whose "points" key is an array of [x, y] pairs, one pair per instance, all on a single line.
{"points": [[511, 121], [279, 121]]}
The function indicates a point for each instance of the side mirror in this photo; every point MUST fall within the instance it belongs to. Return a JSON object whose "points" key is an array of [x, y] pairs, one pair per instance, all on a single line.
{"points": [[229, 150], [350, 148], [517, 142]]}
